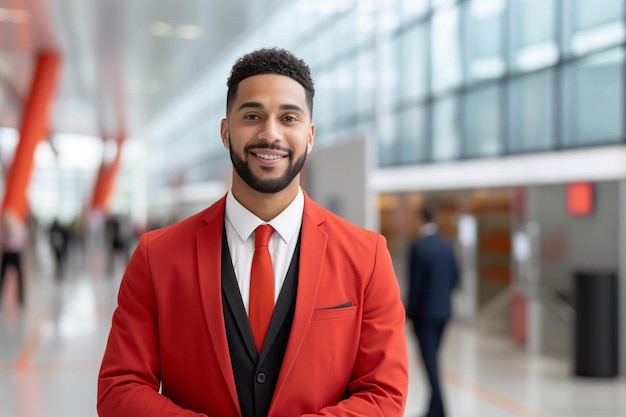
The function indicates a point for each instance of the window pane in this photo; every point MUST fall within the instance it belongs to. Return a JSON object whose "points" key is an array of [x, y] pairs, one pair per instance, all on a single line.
{"points": [[594, 99], [365, 87], [412, 62], [412, 134], [596, 24], [387, 141], [363, 128], [345, 89], [441, 3], [482, 122], [446, 53], [446, 136], [531, 112], [323, 108], [345, 30], [412, 9], [483, 37], [533, 43]]}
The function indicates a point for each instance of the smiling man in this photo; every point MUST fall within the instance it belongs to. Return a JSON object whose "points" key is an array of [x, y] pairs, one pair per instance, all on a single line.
{"points": [[264, 304]]}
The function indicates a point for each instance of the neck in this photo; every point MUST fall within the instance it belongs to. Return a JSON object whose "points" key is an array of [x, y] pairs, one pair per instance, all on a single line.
{"points": [[264, 206]]}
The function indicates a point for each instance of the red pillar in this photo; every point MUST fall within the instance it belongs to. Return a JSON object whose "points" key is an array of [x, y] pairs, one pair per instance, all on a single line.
{"points": [[106, 178], [32, 130]]}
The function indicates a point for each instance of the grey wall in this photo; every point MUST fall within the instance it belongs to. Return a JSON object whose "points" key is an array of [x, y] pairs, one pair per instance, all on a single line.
{"points": [[569, 243], [336, 178]]}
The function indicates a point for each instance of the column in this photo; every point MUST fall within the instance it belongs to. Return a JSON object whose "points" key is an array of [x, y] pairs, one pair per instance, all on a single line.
{"points": [[106, 178], [33, 129]]}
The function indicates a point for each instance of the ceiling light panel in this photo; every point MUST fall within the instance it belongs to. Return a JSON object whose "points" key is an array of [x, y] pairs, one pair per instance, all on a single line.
{"points": [[162, 29], [189, 32]]}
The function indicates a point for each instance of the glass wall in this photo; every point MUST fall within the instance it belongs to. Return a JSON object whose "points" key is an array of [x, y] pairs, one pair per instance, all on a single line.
{"points": [[594, 99], [532, 31], [445, 60], [531, 111], [446, 129], [413, 50], [484, 37], [592, 25], [432, 80], [482, 121]]}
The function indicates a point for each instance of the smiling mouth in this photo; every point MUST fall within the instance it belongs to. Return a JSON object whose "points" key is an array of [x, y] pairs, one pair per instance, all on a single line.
{"points": [[267, 156]]}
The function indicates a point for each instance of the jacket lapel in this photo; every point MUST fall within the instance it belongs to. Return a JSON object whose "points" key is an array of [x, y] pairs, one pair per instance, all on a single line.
{"points": [[313, 251], [209, 250], [233, 298]]}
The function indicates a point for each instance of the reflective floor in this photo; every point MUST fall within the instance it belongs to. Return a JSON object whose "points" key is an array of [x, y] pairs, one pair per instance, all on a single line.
{"points": [[50, 353]]}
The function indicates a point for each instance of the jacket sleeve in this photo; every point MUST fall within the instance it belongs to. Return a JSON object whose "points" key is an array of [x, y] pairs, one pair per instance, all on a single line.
{"points": [[417, 279], [129, 379], [455, 270], [379, 382]]}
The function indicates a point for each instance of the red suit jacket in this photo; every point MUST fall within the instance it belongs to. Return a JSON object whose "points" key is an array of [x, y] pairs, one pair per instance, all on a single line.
{"points": [[168, 355]]}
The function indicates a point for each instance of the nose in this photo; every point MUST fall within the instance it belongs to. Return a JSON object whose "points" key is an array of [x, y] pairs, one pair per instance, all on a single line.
{"points": [[270, 131]]}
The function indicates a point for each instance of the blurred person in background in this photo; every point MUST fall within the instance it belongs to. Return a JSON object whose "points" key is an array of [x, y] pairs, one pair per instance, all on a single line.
{"points": [[59, 241], [433, 274], [119, 236], [32, 229], [196, 333], [77, 236], [14, 239]]}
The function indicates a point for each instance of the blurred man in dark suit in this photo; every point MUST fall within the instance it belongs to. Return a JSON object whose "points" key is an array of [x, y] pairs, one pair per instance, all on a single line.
{"points": [[433, 274]]}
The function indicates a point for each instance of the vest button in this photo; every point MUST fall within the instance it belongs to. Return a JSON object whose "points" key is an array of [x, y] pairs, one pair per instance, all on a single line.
{"points": [[261, 378]]}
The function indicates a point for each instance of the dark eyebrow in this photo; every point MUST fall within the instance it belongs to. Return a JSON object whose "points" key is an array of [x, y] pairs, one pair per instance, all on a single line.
{"points": [[250, 104], [257, 105], [292, 107]]}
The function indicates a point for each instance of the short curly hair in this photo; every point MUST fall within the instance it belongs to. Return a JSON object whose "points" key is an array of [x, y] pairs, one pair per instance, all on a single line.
{"points": [[270, 61]]}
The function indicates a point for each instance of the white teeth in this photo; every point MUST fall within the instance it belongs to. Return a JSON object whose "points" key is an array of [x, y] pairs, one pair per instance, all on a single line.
{"points": [[266, 156]]}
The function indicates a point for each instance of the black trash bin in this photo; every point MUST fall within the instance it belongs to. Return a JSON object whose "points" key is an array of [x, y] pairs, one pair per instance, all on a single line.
{"points": [[596, 338]]}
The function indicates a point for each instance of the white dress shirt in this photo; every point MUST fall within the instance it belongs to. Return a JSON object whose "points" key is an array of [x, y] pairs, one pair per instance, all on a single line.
{"points": [[240, 226]]}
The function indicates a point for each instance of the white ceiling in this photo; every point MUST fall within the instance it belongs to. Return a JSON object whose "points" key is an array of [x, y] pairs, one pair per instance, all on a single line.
{"points": [[123, 61]]}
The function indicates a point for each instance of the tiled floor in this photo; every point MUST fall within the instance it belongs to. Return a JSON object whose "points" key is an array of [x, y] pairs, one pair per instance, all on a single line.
{"points": [[50, 353]]}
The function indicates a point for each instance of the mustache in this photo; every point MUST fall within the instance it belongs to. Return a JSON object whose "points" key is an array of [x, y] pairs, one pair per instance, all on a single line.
{"points": [[272, 146]]}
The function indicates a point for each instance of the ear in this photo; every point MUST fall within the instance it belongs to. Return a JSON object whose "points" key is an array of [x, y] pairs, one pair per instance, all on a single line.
{"points": [[224, 132], [311, 138]]}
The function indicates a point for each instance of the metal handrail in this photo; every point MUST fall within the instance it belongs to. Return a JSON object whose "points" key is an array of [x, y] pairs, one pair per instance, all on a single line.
{"points": [[549, 297]]}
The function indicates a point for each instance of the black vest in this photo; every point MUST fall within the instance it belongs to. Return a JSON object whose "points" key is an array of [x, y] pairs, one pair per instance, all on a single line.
{"points": [[255, 377]]}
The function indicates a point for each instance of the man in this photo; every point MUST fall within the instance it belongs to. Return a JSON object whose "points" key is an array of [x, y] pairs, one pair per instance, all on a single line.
{"points": [[59, 243], [13, 237], [188, 323], [433, 274]]}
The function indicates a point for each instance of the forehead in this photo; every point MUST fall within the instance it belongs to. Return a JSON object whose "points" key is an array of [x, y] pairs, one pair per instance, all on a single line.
{"points": [[270, 87]]}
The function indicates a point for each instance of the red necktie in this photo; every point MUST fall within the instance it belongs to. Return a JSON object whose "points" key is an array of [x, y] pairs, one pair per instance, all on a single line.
{"points": [[261, 285]]}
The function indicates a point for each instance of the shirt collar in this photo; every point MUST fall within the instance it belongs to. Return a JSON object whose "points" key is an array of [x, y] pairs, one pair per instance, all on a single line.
{"points": [[287, 223], [428, 229]]}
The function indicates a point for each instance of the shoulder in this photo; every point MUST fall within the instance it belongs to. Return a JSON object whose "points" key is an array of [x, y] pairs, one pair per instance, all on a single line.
{"points": [[442, 240]]}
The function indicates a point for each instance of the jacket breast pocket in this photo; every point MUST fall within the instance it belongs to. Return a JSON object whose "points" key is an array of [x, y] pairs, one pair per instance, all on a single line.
{"points": [[334, 313]]}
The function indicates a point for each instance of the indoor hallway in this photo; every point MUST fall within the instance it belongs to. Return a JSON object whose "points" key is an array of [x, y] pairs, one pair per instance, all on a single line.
{"points": [[50, 353]]}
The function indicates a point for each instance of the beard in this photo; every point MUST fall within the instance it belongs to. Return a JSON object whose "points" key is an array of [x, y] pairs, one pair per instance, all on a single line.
{"points": [[266, 186]]}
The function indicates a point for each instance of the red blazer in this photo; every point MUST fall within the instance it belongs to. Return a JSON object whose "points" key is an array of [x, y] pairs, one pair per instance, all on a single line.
{"points": [[168, 332]]}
